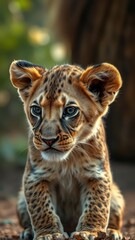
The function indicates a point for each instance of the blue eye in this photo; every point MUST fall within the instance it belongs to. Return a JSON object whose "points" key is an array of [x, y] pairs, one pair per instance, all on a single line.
{"points": [[35, 110], [70, 111]]}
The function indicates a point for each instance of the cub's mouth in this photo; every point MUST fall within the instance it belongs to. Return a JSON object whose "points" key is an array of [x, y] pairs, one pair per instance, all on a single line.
{"points": [[53, 151]]}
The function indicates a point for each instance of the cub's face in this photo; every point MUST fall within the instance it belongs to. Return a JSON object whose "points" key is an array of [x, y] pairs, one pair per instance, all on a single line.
{"points": [[64, 105]]}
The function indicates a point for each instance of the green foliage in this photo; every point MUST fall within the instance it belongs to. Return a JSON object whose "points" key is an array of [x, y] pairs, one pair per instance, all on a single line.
{"points": [[24, 35]]}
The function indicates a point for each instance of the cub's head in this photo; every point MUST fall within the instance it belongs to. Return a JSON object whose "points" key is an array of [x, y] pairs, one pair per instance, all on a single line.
{"points": [[64, 104]]}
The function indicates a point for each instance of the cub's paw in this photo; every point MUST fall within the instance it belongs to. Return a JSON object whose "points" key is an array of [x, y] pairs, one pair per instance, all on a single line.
{"points": [[54, 236], [84, 235], [27, 234], [114, 234]]}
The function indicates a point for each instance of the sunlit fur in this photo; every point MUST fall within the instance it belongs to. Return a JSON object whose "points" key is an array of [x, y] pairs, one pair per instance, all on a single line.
{"points": [[67, 177]]}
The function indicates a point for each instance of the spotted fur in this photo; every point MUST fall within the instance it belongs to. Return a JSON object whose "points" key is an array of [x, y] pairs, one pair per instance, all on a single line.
{"points": [[67, 184]]}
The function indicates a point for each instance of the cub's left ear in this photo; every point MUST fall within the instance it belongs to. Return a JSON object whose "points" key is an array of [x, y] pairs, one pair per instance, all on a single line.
{"points": [[103, 81], [23, 74]]}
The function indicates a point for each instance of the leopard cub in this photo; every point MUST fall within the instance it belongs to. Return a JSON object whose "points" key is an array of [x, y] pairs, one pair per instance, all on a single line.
{"points": [[67, 185]]}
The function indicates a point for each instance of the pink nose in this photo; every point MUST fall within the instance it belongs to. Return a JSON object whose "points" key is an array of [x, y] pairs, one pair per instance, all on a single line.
{"points": [[50, 141]]}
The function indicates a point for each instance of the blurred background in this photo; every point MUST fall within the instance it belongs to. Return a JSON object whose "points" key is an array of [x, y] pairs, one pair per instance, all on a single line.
{"points": [[83, 32]]}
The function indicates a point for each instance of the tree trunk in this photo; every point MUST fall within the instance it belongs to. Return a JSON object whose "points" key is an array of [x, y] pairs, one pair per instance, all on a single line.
{"points": [[104, 31]]}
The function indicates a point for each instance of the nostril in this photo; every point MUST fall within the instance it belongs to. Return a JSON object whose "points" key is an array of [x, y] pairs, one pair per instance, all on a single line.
{"points": [[50, 141]]}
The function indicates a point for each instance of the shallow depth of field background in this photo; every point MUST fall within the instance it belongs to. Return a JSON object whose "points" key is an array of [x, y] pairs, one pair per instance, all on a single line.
{"points": [[81, 32]]}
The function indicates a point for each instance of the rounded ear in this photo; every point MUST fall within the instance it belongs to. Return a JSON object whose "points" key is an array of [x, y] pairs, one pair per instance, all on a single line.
{"points": [[23, 74], [103, 81]]}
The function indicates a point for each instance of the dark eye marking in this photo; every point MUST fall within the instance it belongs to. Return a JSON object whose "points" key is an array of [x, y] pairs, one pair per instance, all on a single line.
{"points": [[36, 114], [71, 103], [35, 102]]}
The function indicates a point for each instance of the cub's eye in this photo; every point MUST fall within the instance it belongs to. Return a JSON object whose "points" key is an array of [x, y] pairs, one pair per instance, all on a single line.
{"points": [[70, 111], [35, 110]]}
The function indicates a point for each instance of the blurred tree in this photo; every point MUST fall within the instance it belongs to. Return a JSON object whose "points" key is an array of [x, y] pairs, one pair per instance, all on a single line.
{"points": [[103, 31]]}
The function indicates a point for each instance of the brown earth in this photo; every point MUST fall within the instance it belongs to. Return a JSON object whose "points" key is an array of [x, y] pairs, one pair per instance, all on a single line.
{"points": [[10, 179]]}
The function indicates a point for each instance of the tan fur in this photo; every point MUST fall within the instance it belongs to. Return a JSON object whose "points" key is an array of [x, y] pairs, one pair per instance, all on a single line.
{"points": [[67, 183]]}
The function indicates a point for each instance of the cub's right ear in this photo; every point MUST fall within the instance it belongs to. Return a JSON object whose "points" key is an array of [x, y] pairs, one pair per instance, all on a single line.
{"points": [[23, 74]]}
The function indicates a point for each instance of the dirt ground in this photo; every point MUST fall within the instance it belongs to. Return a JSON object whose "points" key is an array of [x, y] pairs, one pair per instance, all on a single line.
{"points": [[10, 179]]}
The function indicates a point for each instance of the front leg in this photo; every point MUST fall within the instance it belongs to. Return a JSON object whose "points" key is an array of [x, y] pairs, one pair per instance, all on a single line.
{"points": [[45, 223], [96, 206]]}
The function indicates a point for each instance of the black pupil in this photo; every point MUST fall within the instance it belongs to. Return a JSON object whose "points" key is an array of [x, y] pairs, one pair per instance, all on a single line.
{"points": [[70, 110], [36, 109]]}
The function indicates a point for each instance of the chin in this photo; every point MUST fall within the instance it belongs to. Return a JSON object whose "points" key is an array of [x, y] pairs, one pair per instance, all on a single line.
{"points": [[54, 155]]}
